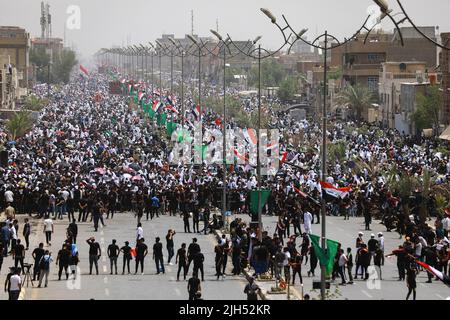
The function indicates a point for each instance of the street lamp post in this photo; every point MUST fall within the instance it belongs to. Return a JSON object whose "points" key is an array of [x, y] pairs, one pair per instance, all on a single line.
{"points": [[259, 54], [316, 44]]}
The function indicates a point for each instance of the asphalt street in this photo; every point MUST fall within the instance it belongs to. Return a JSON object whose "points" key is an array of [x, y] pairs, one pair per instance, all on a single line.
{"points": [[165, 287]]}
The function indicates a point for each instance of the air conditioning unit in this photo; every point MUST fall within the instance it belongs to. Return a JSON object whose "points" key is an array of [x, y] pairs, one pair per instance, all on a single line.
{"points": [[419, 77]]}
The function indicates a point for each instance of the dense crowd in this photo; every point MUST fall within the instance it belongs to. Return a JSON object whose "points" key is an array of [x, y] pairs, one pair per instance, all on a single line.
{"points": [[86, 158]]}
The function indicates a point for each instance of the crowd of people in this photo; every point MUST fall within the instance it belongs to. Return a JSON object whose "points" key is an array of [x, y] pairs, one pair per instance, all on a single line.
{"points": [[89, 158]]}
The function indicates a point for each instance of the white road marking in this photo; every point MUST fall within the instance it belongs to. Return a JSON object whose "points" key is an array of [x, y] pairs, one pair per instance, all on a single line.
{"points": [[177, 292], [107, 292], [104, 269], [439, 296], [366, 293]]}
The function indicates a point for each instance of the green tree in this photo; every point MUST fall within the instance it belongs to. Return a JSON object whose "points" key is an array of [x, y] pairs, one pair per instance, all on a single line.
{"points": [[272, 73], [357, 98], [34, 103], [63, 66], [40, 59], [18, 124], [428, 108], [288, 88]]}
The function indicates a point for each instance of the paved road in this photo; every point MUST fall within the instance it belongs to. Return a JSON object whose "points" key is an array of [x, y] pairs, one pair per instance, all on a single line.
{"points": [[389, 288], [152, 286], [136, 287]]}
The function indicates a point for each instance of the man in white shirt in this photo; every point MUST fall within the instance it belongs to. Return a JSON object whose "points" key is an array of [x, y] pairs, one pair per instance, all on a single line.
{"points": [[9, 196], [48, 230], [307, 219], [381, 246], [139, 232], [286, 266], [15, 285], [446, 225], [342, 263]]}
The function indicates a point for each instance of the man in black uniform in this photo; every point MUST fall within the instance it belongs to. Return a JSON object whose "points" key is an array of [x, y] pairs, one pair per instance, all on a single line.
{"points": [[193, 286], [63, 260], [141, 252], [181, 259], [192, 250], [37, 254], [158, 256], [198, 259], [113, 254]]}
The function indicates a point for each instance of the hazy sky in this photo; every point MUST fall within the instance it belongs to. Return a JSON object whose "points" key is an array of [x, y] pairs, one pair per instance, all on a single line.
{"points": [[104, 23]]}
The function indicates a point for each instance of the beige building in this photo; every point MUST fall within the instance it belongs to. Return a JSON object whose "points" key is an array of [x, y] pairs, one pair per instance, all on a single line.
{"points": [[14, 50], [391, 77]]}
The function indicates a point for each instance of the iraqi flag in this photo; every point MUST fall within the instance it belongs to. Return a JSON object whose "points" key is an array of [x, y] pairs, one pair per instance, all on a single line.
{"points": [[84, 70], [250, 136], [156, 106], [140, 96], [196, 112], [284, 157], [330, 190], [172, 108], [435, 272]]}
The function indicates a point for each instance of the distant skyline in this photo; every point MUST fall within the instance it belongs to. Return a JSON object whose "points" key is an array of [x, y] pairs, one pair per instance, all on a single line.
{"points": [[104, 23]]}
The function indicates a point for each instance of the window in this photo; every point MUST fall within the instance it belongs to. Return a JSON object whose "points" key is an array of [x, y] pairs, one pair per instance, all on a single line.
{"points": [[372, 83], [372, 57]]}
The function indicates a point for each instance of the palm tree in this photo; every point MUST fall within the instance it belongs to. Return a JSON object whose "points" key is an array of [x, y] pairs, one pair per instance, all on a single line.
{"points": [[357, 98], [18, 124]]}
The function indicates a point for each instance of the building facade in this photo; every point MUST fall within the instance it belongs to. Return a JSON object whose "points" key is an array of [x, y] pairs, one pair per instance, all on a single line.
{"points": [[14, 51], [390, 80], [444, 58]]}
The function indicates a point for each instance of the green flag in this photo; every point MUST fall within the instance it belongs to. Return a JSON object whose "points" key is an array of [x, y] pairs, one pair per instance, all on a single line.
{"points": [[326, 257], [151, 113], [254, 200], [161, 119], [171, 127], [203, 148], [184, 135]]}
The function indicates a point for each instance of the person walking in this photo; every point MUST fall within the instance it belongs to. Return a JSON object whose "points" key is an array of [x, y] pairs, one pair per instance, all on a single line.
{"points": [[126, 250], [218, 250], [181, 259], [170, 245], [252, 289], [72, 232], [342, 261], [37, 254], [296, 265], [381, 246], [44, 267], [186, 216], [193, 286], [198, 259], [139, 232], [113, 254], [307, 220], [192, 251], [14, 285], [48, 230], [94, 254], [18, 254], [158, 256], [63, 258], [349, 265], [141, 253], [411, 273], [26, 233]]}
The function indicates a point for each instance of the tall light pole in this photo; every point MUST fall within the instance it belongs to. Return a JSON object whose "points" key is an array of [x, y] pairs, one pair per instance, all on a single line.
{"points": [[199, 47], [325, 48], [259, 54], [160, 53]]}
